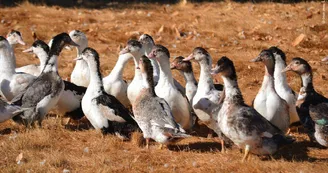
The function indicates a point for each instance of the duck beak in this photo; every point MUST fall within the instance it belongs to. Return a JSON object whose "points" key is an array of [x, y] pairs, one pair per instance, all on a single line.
{"points": [[215, 70], [29, 50], [288, 68], [190, 57], [173, 66], [124, 51], [78, 58], [20, 41], [257, 59], [151, 55], [325, 59], [72, 43]]}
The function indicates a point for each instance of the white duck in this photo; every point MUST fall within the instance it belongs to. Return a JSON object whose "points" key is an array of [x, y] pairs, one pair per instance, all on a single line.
{"points": [[153, 114], [11, 83], [267, 102], [136, 49], [167, 90], [114, 83], [148, 43], [242, 123], [281, 86], [207, 99], [80, 75], [15, 37], [40, 49]]}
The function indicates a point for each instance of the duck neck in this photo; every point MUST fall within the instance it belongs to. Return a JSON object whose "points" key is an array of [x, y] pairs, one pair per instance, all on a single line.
{"points": [[7, 61], [43, 59], [268, 81], [156, 71], [137, 73], [148, 83], [307, 81], [165, 77], [231, 89], [95, 77], [205, 80], [51, 65], [117, 71], [80, 49], [280, 79], [189, 77]]}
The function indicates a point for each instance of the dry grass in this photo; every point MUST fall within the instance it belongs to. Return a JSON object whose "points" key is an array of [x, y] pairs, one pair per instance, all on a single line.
{"points": [[218, 27]]}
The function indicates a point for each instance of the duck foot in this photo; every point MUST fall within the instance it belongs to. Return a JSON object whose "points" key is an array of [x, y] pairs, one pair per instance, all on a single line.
{"points": [[247, 148]]}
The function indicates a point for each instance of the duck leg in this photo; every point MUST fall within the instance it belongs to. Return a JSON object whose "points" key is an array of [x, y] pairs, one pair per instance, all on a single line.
{"points": [[247, 148], [222, 146], [160, 146], [147, 143]]}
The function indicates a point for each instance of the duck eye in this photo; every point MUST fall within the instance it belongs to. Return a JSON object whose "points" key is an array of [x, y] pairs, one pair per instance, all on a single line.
{"points": [[297, 62]]}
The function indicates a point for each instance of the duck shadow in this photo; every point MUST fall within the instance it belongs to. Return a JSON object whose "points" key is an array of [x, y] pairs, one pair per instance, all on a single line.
{"points": [[298, 152], [5, 131], [197, 146]]}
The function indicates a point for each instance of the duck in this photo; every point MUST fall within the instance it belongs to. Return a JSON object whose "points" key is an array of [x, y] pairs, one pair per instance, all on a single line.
{"points": [[80, 75], [15, 37], [11, 83], [267, 102], [166, 89], [281, 86], [104, 111], [114, 83], [312, 106], [69, 103], [185, 68], [43, 93], [148, 42], [136, 49], [152, 113], [8, 111], [247, 128], [41, 50], [207, 99]]}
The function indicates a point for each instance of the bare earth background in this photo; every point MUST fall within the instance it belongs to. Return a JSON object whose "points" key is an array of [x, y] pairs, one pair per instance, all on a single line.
{"points": [[239, 31]]}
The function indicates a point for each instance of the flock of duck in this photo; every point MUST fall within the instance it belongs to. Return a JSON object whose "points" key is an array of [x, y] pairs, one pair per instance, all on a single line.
{"points": [[162, 108]]}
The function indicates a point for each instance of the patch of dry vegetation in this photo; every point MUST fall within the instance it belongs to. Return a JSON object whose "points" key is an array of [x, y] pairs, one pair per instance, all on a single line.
{"points": [[238, 31]]}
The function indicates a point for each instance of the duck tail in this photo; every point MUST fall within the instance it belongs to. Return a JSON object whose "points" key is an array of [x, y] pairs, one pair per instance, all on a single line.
{"points": [[282, 140]]}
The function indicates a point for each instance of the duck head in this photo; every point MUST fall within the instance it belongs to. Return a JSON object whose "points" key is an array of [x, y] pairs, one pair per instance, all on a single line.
{"points": [[278, 53], [133, 47], [299, 66], [90, 54], [224, 66], [15, 37], [147, 42], [201, 55], [179, 64], [160, 53], [267, 58], [79, 38], [38, 47], [59, 42]]}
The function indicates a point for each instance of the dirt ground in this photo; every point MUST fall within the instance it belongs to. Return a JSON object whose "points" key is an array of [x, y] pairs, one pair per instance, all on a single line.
{"points": [[239, 31]]}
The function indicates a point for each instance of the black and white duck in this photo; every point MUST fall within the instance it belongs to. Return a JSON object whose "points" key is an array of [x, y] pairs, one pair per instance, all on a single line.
{"points": [[312, 106]]}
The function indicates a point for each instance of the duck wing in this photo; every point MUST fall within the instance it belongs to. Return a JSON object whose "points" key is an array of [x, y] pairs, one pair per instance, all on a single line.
{"points": [[164, 118], [112, 106]]}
